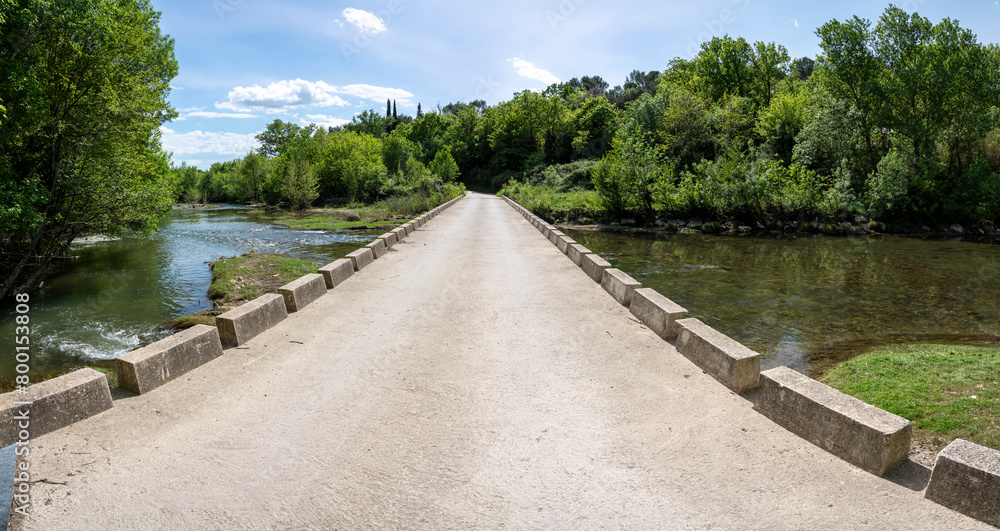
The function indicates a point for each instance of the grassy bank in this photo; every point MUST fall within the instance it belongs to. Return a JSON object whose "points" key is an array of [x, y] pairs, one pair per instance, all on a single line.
{"points": [[243, 278], [947, 391]]}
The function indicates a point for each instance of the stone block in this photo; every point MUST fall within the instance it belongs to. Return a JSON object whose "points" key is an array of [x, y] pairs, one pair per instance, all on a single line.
{"points": [[337, 272], [563, 243], [149, 367], [53, 404], [554, 235], [300, 292], [576, 251], [620, 285], [729, 362], [859, 433], [594, 266], [657, 312], [399, 233], [389, 238], [239, 325], [378, 248], [361, 258], [966, 478], [409, 227]]}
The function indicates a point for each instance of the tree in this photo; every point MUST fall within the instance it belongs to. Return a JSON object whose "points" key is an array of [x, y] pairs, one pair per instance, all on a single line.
{"points": [[444, 165], [420, 112], [85, 85], [803, 68], [274, 139], [351, 166], [770, 63], [299, 184]]}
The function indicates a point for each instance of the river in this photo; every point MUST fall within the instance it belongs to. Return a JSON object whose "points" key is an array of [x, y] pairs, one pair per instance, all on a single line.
{"points": [[115, 296], [809, 302]]}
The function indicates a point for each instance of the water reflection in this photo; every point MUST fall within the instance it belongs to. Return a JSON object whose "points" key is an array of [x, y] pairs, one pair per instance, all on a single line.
{"points": [[809, 301], [113, 297]]}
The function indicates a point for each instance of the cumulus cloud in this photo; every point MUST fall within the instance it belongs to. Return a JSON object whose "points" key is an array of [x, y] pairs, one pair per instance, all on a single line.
{"points": [[323, 120], [207, 142], [530, 71], [371, 92], [365, 21], [282, 95]]}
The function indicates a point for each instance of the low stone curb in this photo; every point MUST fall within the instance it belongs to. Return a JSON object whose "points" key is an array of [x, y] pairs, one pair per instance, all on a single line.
{"points": [[149, 367], [729, 362], [239, 325], [620, 285], [378, 248], [657, 312], [336, 272], [299, 293], [966, 478], [47, 406], [859, 433], [361, 258]]}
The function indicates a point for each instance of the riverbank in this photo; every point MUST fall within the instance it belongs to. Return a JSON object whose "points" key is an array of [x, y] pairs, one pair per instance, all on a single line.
{"points": [[581, 210], [243, 278], [947, 391]]}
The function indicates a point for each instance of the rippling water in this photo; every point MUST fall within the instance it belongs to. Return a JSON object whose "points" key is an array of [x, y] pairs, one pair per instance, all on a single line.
{"points": [[811, 301], [115, 295]]}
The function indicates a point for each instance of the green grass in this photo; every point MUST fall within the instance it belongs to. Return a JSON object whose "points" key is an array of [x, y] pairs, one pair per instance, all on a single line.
{"points": [[947, 391], [252, 275]]}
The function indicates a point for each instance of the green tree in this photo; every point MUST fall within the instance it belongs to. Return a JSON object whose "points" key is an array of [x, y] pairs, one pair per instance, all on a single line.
{"points": [[444, 165], [85, 85], [351, 166], [299, 184], [274, 139]]}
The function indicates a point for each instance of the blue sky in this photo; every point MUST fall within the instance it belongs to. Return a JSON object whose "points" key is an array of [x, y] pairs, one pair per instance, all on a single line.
{"points": [[245, 63]]}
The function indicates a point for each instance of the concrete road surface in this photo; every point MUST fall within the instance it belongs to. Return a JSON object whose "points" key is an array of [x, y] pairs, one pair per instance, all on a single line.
{"points": [[473, 378]]}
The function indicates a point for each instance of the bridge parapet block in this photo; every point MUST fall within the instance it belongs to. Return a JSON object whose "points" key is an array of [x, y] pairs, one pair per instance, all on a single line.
{"points": [[576, 251], [239, 325], [149, 367], [594, 266], [563, 243], [620, 285], [54, 404], [389, 238], [726, 360], [378, 248], [966, 478], [657, 312], [859, 433], [336, 272], [299, 293], [361, 258]]}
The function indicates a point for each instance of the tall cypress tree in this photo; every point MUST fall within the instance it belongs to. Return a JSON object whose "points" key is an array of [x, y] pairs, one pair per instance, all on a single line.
{"points": [[393, 109], [419, 112], [387, 108]]}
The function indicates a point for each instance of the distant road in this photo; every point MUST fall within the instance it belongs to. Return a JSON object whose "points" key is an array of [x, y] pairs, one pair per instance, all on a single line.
{"points": [[473, 378]]}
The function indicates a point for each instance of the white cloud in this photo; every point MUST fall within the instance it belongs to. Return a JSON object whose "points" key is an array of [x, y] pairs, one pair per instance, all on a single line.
{"points": [[282, 95], [207, 142], [530, 71], [209, 114], [371, 92], [365, 21], [324, 120], [796, 23]]}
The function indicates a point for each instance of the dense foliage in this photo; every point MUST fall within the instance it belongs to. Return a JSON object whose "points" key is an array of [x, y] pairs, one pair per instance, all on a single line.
{"points": [[84, 86]]}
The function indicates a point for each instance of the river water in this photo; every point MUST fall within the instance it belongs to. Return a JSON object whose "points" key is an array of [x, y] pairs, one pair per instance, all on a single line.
{"points": [[115, 295], [812, 301]]}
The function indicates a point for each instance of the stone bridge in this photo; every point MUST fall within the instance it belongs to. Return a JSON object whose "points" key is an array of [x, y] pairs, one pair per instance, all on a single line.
{"points": [[475, 370]]}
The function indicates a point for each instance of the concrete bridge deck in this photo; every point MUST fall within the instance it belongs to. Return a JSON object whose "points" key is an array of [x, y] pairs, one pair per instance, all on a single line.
{"points": [[474, 377]]}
